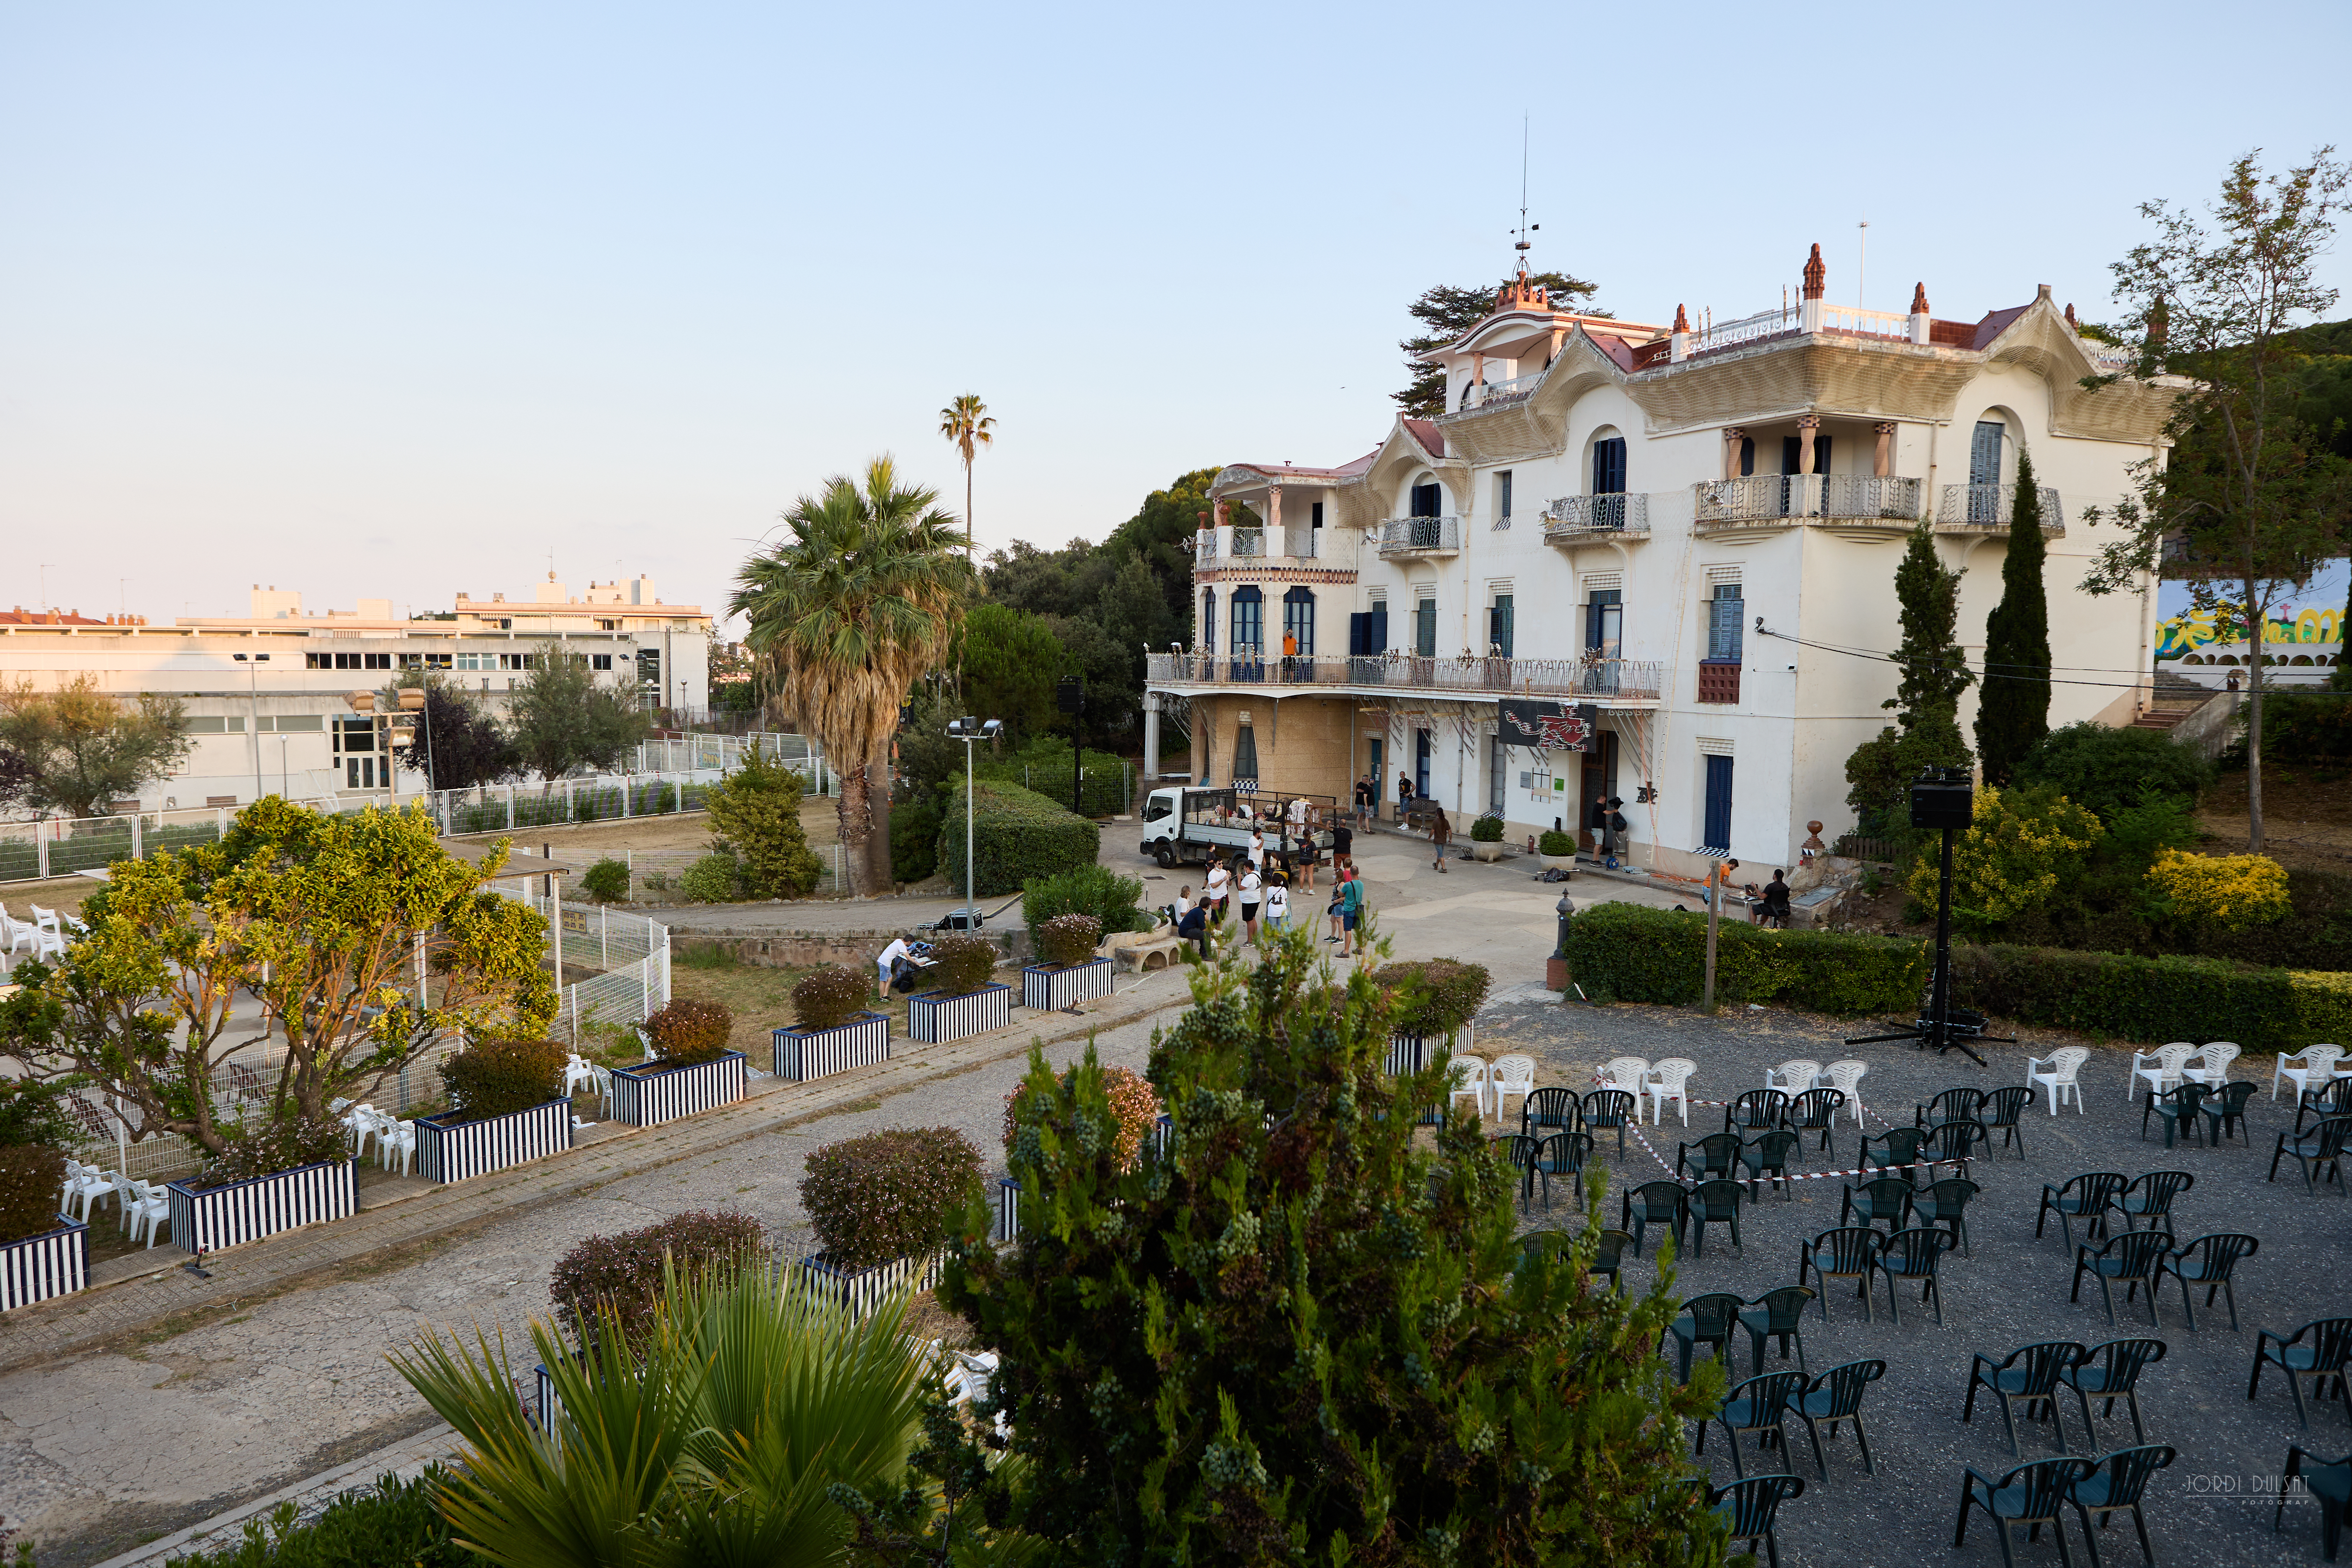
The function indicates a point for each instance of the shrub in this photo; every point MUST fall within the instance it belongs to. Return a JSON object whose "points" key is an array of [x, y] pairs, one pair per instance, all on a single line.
{"points": [[1134, 1103], [625, 1271], [1066, 940], [1043, 766], [31, 1176], [33, 1113], [1487, 829], [687, 1032], [829, 995], [286, 1145], [897, 1193], [757, 809], [1088, 890], [2107, 770], [1017, 834], [2299, 727], [964, 964], [2228, 892], [2024, 844], [607, 881], [716, 878], [394, 1524], [496, 1078], [1435, 996], [2153, 999], [1623, 952], [1555, 843], [914, 840]]}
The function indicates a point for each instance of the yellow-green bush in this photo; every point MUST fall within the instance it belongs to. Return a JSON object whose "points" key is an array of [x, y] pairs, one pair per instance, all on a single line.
{"points": [[2230, 891], [2025, 843]]}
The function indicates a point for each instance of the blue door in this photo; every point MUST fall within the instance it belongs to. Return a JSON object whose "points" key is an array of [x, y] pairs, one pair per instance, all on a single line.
{"points": [[1421, 749], [1718, 807]]}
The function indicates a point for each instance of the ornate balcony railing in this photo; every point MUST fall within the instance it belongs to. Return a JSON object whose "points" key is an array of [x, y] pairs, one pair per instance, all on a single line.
{"points": [[1576, 517], [1985, 509], [1249, 542], [1775, 500], [1412, 535], [1600, 680], [1204, 548], [1493, 394]]}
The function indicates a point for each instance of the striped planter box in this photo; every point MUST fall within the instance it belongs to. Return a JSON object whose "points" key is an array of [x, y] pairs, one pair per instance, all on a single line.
{"points": [[862, 1290], [650, 1095], [1050, 990], [548, 1408], [801, 1055], [451, 1150], [934, 1019], [1008, 1209], [1413, 1053], [53, 1263], [214, 1217]]}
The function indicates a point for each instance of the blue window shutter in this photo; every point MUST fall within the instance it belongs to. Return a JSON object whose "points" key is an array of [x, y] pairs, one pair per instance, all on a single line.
{"points": [[1718, 805]]}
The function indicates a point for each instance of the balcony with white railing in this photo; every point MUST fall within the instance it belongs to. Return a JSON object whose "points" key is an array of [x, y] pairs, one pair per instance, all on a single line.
{"points": [[1788, 500], [1608, 683], [1283, 547], [1494, 393], [1985, 509], [1407, 536], [1571, 519]]}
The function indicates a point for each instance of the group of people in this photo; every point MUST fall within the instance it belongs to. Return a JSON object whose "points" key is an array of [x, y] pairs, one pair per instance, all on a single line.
{"points": [[1261, 885], [1766, 905]]}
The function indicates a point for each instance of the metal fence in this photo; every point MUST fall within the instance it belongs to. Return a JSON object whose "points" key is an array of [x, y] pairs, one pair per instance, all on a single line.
{"points": [[631, 952]]}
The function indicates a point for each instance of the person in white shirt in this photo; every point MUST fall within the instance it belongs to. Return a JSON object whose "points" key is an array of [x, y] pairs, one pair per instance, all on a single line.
{"points": [[885, 966], [1250, 886], [1257, 848], [1213, 893], [1277, 907]]}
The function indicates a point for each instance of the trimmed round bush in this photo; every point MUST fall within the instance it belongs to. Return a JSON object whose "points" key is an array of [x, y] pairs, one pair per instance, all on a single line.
{"points": [[286, 1145], [1069, 939], [1017, 834], [1435, 995], [886, 1195], [1487, 829], [1132, 1099], [31, 1176], [687, 1032], [623, 1273], [1089, 890], [496, 1078], [2108, 769], [829, 995], [716, 878], [964, 964], [914, 840], [607, 881], [1555, 843]]}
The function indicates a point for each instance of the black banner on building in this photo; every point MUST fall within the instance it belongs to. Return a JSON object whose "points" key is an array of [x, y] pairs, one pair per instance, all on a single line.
{"points": [[1547, 726]]}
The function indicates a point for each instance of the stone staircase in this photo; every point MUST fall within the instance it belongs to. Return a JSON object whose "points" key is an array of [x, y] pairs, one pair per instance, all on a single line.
{"points": [[2177, 696]]}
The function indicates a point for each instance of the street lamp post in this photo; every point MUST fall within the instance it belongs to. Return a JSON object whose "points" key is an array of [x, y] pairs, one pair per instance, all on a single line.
{"points": [[253, 663], [969, 730]]}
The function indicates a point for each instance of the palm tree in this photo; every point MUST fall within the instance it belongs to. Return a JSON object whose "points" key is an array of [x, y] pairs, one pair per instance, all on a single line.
{"points": [[713, 1442], [966, 425], [846, 615]]}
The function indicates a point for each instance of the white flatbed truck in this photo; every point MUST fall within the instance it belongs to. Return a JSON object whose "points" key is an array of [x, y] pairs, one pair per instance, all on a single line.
{"points": [[1189, 823]]}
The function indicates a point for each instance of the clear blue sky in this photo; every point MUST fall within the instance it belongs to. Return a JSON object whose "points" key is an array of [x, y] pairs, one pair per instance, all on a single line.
{"points": [[393, 300]]}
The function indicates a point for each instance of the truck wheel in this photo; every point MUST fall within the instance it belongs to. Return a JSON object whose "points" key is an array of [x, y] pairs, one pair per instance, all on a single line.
{"points": [[1166, 856]]}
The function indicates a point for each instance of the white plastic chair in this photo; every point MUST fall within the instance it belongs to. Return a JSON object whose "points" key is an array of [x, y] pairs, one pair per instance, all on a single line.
{"points": [[1469, 1076], [2168, 1061], [1512, 1075], [395, 1137], [359, 1125], [2063, 1064], [46, 921], [1846, 1075], [1792, 1077], [576, 1072], [43, 941], [147, 1210], [85, 1185], [1669, 1080], [2212, 1068], [1631, 1074], [2311, 1062]]}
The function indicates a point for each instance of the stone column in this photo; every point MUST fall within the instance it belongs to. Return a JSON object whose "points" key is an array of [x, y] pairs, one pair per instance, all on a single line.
{"points": [[1679, 340], [1882, 463], [1806, 426], [1274, 544], [1732, 436], [1150, 734]]}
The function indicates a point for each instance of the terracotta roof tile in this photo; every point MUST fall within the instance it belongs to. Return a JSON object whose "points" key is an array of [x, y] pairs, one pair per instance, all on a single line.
{"points": [[1425, 431]]}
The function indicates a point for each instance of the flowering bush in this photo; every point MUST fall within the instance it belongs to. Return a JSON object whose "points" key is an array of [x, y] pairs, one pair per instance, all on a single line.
{"points": [[1068, 939], [625, 1270], [891, 1195], [1133, 1102], [964, 964], [687, 1032], [829, 995], [286, 1145], [2232, 891], [498, 1078], [2025, 842]]}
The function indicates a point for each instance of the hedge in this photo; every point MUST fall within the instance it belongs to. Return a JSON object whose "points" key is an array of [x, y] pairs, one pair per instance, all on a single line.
{"points": [[895, 1193], [1625, 952], [1018, 833], [623, 1272]]}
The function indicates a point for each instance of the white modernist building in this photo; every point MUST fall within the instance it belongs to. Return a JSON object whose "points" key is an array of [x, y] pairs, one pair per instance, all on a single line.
{"points": [[1685, 536]]}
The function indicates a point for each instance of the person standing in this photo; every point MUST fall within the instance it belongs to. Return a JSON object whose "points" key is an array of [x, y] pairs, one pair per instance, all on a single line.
{"points": [[1363, 799], [1351, 909], [1404, 797], [1343, 843], [1212, 893], [1252, 886], [887, 965], [1441, 833], [1278, 905], [1310, 854], [1257, 850]]}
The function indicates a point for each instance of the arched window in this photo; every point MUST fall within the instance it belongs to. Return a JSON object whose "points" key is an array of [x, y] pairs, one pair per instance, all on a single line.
{"points": [[1298, 618], [1608, 466], [1208, 643], [1248, 621]]}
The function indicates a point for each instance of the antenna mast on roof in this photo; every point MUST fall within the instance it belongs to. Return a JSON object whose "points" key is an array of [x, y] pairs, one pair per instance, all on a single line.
{"points": [[1520, 244]]}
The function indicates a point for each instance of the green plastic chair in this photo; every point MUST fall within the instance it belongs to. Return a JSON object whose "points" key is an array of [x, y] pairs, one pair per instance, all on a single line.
{"points": [[2030, 1374], [2208, 1260], [2321, 1149], [2116, 1487], [2178, 1106], [1560, 1155], [2030, 1495], [2329, 1481], [1955, 1144], [1607, 1256], [1718, 1156], [1549, 1110], [2131, 1260], [1609, 1108], [1520, 1150], [1849, 1252], [1952, 1105], [1886, 1200], [2003, 1112], [1750, 1505], [1654, 1202], [1911, 1257], [1775, 1314], [1836, 1396], [2333, 1098], [1705, 1320], [2111, 1371], [2226, 1108], [2314, 1353], [1816, 1109], [1760, 1406], [1946, 1202], [2086, 1197], [2150, 1198], [1894, 1149], [1715, 1203], [1767, 1156], [1756, 1110]]}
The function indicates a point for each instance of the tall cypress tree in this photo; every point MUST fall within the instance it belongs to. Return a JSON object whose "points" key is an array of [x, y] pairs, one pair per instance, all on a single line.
{"points": [[1927, 700], [2014, 712]]}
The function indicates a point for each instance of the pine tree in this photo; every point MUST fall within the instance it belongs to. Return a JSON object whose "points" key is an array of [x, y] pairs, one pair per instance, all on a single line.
{"points": [[1927, 700], [2014, 710]]}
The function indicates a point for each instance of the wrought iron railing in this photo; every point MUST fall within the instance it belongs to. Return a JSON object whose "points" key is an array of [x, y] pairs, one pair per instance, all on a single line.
{"points": [[1204, 548], [1571, 516], [1987, 507], [1620, 679], [1772, 500], [1249, 542], [1402, 535]]}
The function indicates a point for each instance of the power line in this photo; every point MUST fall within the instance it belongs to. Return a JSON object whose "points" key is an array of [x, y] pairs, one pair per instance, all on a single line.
{"points": [[1989, 674]]}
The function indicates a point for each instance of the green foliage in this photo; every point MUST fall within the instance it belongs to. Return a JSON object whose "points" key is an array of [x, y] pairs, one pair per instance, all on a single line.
{"points": [[1445, 313], [396, 1523], [285, 1144], [1434, 996], [77, 748], [499, 1077], [2109, 769], [1625, 953], [2300, 727], [615, 1281], [1043, 766], [1302, 1325], [962, 964], [1008, 660], [1093, 889], [607, 881], [562, 717], [1068, 939], [756, 810], [829, 995], [1018, 835], [688, 1031], [460, 745], [914, 840], [1487, 829], [32, 1114], [716, 878], [1555, 843], [2013, 713], [895, 1193], [2024, 847], [31, 1177], [2124, 996], [1934, 672]]}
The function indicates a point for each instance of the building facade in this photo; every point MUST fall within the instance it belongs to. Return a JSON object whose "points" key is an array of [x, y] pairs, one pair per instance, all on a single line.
{"points": [[1676, 543]]}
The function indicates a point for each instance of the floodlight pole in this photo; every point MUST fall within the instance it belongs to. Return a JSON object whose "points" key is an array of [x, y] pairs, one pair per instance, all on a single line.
{"points": [[970, 904], [1940, 1000]]}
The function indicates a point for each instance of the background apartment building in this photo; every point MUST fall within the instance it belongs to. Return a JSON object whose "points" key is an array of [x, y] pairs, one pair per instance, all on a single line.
{"points": [[1685, 536]]}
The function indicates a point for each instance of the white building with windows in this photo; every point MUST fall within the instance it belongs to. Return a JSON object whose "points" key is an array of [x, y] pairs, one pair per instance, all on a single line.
{"points": [[1685, 536]]}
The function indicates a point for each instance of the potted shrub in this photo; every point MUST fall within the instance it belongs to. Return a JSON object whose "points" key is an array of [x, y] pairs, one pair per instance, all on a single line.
{"points": [[1133, 1102], [1487, 838], [286, 1174], [1436, 999], [615, 1280], [966, 1001], [691, 1070], [1069, 972], [833, 1030], [43, 1252], [1556, 850], [507, 1107], [884, 1206]]}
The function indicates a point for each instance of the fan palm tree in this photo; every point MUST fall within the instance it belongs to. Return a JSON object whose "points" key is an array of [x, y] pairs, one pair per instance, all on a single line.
{"points": [[845, 615], [966, 425]]}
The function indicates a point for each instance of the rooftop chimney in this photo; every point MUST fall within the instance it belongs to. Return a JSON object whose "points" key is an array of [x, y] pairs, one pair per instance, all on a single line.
{"points": [[1919, 327], [1809, 311]]}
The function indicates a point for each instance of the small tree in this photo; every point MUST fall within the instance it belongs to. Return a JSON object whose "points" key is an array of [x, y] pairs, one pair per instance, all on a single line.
{"points": [[2014, 712], [564, 718], [1927, 700], [459, 745], [757, 811], [78, 748]]}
